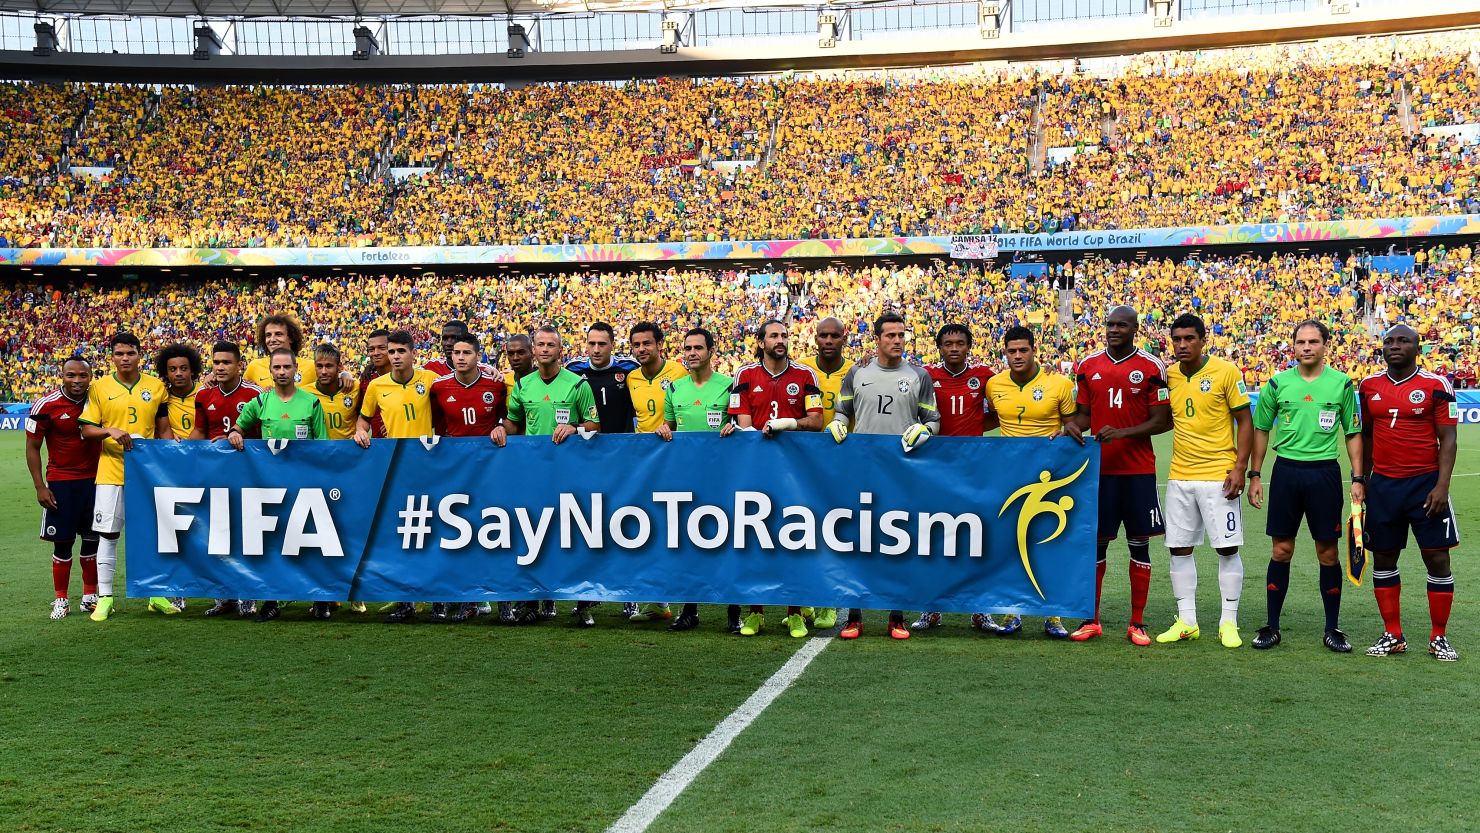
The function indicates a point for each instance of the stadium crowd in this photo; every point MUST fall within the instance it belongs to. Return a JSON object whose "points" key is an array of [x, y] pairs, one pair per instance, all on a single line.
{"points": [[1251, 302], [1327, 130]]}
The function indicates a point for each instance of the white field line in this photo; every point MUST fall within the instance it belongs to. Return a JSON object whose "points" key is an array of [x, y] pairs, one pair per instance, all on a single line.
{"points": [[673, 782]]}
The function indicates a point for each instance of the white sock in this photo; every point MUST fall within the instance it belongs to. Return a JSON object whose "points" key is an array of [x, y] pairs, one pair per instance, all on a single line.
{"points": [[1184, 587], [107, 562], [1231, 585]]}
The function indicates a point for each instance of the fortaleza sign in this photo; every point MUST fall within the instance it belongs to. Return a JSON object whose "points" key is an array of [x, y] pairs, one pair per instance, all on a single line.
{"points": [[958, 525]]}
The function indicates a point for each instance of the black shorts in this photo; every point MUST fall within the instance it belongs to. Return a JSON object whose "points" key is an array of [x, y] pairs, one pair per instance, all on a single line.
{"points": [[1308, 489], [1130, 499], [74, 513], [1395, 504]]}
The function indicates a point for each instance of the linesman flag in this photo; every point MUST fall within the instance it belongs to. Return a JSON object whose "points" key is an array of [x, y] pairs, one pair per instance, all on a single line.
{"points": [[1356, 544]]}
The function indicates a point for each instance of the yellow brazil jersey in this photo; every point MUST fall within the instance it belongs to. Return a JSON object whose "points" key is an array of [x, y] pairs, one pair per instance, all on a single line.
{"points": [[112, 404], [649, 395], [182, 413], [830, 383], [406, 409], [339, 410], [1034, 409], [1202, 419], [259, 374]]}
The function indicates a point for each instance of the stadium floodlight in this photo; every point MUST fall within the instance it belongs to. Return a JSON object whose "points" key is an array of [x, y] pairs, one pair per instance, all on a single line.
{"points": [[827, 30], [207, 42], [46, 39], [1161, 12], [518, 41], [365, 43], [991, 19]]}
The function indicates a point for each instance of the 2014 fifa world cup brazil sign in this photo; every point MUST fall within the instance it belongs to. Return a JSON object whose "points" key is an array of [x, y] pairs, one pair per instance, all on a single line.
{"points": [[959, 525]]}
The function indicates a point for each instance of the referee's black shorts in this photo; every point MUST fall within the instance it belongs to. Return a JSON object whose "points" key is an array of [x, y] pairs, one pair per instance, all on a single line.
{"points": [[1305, 489], [74, 513]]}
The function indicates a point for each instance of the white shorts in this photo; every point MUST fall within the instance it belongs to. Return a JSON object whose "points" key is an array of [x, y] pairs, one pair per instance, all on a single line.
{"points": [[108, 509], [1196, 507]]}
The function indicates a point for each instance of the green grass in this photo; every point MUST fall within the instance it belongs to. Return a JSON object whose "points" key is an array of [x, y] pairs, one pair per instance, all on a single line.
{"points": [[187, 724]]}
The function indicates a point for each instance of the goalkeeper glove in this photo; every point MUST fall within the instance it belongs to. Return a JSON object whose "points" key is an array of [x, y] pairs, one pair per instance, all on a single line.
{"points": [[776, 426], [914, 437], [838, 430]]}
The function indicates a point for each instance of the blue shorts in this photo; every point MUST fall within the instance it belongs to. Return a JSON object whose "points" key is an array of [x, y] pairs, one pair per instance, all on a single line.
{"points": [[74, 513], [1130, 499], [1309, 490], [1395, 505]]}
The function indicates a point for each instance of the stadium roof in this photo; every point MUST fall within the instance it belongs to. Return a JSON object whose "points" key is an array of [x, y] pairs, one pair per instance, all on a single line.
{"points": [[220, 9]]}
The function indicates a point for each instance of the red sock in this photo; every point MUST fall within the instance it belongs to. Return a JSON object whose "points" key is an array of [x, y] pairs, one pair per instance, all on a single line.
{"points": [[1389, 605], [61, 577], [1441, 597], [1140, 589], [1099, 586], [89, 574]]}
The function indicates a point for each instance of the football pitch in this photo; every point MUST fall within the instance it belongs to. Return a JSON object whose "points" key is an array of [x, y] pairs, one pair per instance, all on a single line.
{"points": [[148, 723]]}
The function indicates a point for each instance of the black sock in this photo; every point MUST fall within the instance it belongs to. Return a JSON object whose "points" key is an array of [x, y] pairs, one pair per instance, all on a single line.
{"points": [[1331, 594], [855, 614], [689, 609], [1278, 584], [733, 612], [896, 616]]}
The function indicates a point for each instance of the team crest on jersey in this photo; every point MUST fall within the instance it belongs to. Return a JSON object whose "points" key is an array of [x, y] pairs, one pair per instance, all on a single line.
{"points": [[147, 396], [1137, 377], [239, 406], [297, 377], [349, 401], [666, 385], [620, 377], [1416, 397], [488, 397], [904, 386], [974, 383], [792, 389], [1205, 385], [1037, 394], [420, 389]]}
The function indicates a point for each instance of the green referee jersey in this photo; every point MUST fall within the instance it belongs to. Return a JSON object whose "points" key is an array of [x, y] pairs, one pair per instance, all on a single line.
{"points": [[1310, 420], [541, 405], [693, 407], [300, 418]]}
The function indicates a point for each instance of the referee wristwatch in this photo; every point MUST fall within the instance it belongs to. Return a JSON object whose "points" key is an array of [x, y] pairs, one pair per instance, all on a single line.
{"points": [[1359, 478], [1253, 473]]}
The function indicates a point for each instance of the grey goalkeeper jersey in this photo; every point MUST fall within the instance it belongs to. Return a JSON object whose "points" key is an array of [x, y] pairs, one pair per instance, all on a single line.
{"points": [[887, 400]]}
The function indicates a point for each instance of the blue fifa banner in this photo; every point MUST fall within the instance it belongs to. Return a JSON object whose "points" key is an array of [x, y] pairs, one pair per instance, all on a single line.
{"points": [[959, 524]]}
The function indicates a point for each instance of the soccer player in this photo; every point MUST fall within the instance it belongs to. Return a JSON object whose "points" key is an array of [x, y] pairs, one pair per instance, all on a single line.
{"points": [[1208, 402], [649, 386], [468, 402], [778, 395], [519, 351], [276, 332], [216, 410], [335, 396], [402, 399], [961, 395], [885, 396], [377, 364], [1312, 410], [121, 407], [1408, 451], [829, 364], [451, 332], [286, 412], [607, 375], [1029, 401], [65, 492], [179, 366], [699, 401], [1123, 400], [556, 403]]}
